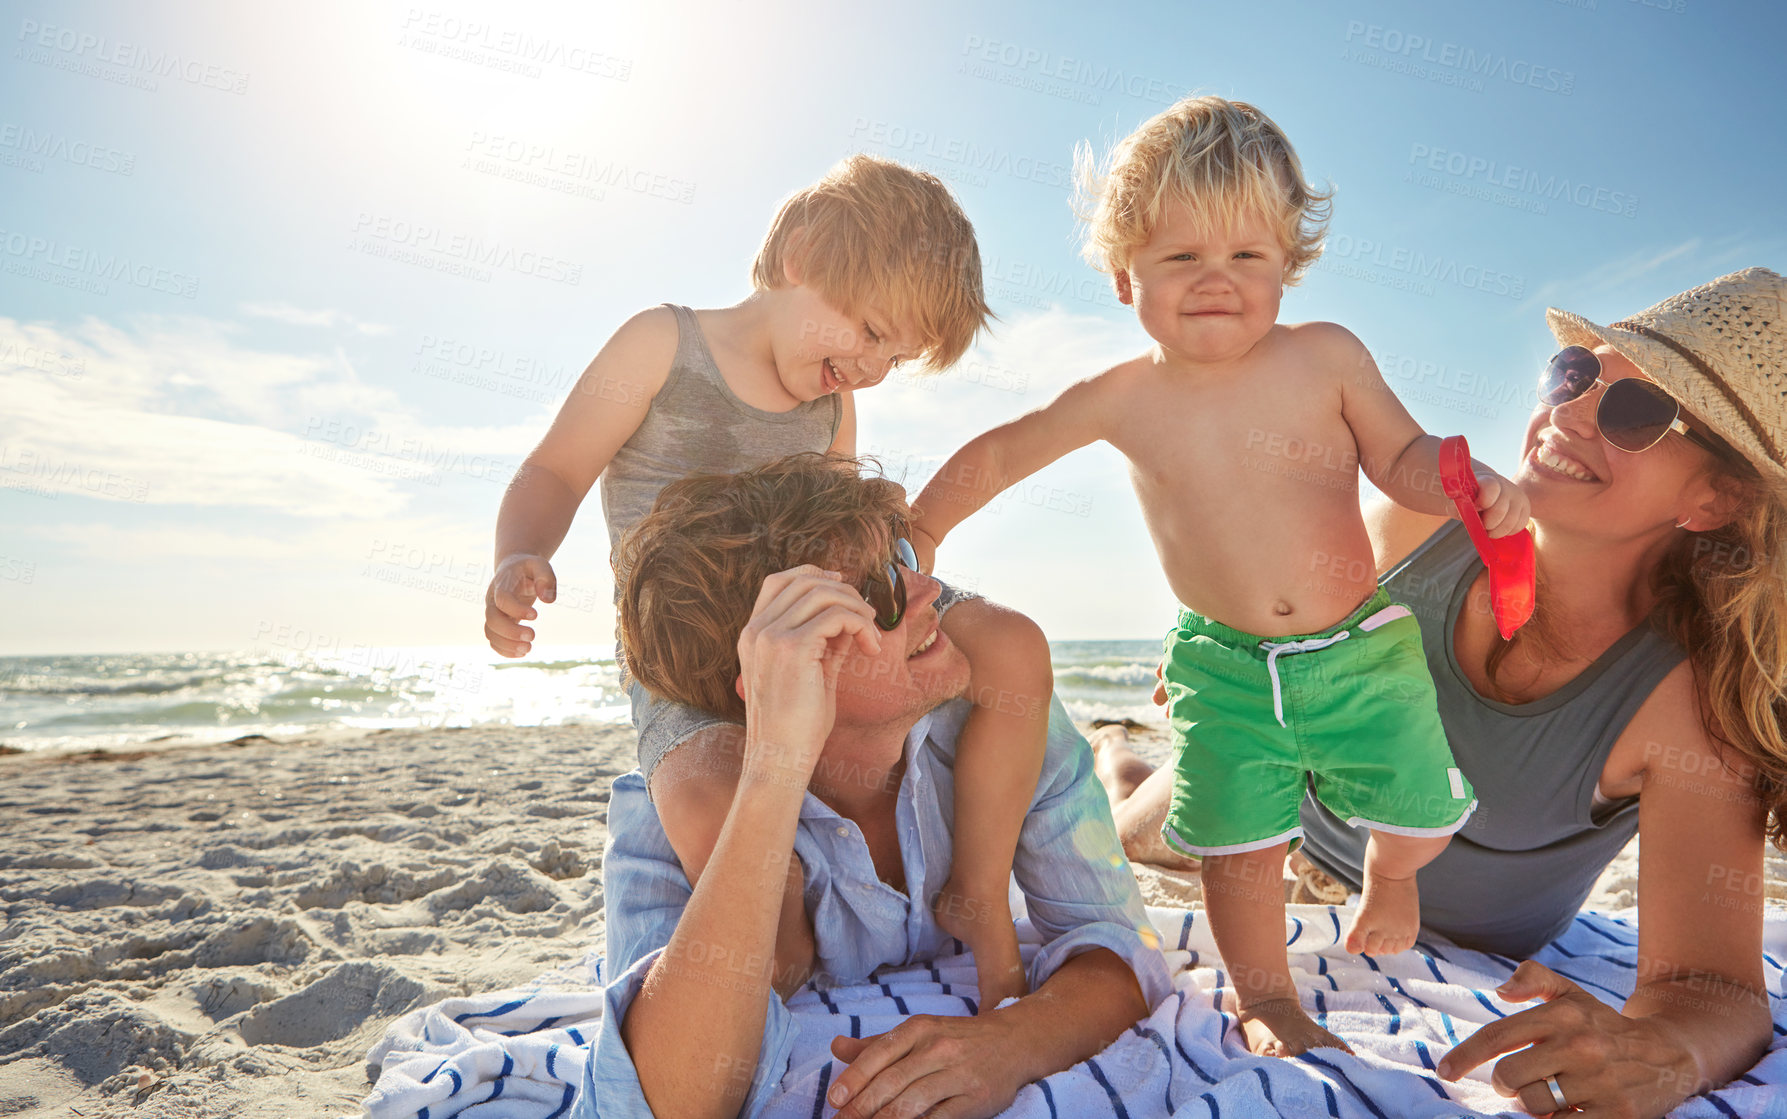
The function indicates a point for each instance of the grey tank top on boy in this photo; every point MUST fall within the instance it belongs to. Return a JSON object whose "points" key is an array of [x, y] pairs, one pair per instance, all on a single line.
{"points": [[1514, 878], [696, 424]]}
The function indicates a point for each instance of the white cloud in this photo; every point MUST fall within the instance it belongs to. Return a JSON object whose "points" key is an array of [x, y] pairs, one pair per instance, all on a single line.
{"points": [[914, 424], [179, 411], [304, 316]]}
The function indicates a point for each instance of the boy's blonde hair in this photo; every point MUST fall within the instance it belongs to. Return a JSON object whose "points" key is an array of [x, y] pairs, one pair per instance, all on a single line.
{"points": [[876, 232], [1224, 159]]}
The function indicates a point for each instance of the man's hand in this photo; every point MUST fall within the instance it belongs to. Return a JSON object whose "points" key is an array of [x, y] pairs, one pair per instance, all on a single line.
{"points": [[1501, 504], [789, 655], [519, 580], [949, 1068]]}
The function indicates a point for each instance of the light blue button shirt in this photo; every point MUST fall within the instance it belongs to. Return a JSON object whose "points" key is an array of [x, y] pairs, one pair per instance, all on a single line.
{"points": [[1078, 887]]}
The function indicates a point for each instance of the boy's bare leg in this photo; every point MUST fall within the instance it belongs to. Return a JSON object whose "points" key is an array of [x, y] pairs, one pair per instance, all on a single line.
{"points": [[1244, 896], [1389, 915], [1140, 796]]}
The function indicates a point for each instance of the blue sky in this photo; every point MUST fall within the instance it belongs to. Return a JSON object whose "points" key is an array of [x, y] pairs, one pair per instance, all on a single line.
{"points": [[250, 395]]}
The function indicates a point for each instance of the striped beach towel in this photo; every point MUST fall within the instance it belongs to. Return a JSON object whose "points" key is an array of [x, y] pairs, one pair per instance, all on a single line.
{"points": [[518, 1053]]}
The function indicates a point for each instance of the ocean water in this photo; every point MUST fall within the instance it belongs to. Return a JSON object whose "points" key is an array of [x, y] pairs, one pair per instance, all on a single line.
{"points": [[112, 701]]}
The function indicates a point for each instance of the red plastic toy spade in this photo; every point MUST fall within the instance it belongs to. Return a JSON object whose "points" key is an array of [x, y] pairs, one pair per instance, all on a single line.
{"points": [[1509, 558]]}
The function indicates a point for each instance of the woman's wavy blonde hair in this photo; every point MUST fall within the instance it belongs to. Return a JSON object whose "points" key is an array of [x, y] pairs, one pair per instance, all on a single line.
{"points": [[1225, 160], [1722, 596], [690, 570]]}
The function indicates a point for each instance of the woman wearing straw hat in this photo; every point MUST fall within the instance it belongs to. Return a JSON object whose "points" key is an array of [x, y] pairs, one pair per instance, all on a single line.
{"points": [[1645, 697]]}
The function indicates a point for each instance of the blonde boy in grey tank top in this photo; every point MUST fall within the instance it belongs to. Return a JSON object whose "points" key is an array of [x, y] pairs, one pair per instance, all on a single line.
{"points": [[872, 265]]}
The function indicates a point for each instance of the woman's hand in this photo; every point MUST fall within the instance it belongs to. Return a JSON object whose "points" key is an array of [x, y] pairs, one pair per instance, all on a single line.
{"points": [[1606, 1064], [1160, 684], [509, 601], [789, 655], [948, 1068]]}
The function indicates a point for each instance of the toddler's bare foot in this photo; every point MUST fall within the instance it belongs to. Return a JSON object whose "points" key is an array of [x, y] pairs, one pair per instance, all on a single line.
{"points": [[986, 927], [1280, 1028], [1388, 918]]}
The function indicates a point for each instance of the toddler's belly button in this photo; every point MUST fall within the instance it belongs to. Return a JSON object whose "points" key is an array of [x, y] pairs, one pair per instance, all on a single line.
{"points": [[1281, 608]]}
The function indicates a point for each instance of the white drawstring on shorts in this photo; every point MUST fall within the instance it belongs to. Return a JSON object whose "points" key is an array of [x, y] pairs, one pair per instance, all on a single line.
{"points": [[1307, 645]]}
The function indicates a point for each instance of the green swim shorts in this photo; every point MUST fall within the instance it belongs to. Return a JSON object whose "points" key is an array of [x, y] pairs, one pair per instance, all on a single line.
{"points": [[1350, 712]]}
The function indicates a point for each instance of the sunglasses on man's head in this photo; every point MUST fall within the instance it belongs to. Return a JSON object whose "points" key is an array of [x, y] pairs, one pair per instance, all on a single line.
{"points": [[1633, 414], [885, 590]]}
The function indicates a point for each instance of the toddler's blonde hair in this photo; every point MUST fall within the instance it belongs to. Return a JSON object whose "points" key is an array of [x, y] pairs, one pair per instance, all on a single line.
{"points": [[1223, 159]]}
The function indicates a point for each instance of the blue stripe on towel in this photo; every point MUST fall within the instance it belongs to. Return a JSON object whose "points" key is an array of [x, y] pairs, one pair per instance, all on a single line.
{"points": [[432, 1075], [1265, 1084], [1427, 1061], [1721, 1105], [1487, 1005], [826, 999], [496, 1089], [855, 1026], [497, 1013], [564, 1104], [1321, 969], [1116, 1100], [1583, 920], [1215, 1112], [458, 1084], [1338, 939], [575, 1036], [508, 1064], [1167, 1054], [1395, 1018], [1321, 1008], [1296, 934], [1185, 931], [1333, 1101], [549, 1023], [551, 1052], [1186, 1057], [1433, 967], [1586, 982], [1048, 1097], [1350, 1086], [1446, 1021], [899, 1003], [819, 1097]]}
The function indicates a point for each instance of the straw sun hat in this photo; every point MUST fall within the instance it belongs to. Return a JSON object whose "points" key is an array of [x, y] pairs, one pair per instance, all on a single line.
{"points": [[1720, 349]]}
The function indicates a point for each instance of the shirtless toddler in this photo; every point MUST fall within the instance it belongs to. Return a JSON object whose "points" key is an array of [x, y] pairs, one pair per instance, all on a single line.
{"points": [[1244, 436]]}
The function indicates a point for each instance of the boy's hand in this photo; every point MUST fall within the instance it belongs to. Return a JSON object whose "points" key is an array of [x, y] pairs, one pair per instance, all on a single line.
{"points": [[519, 580], [1501, 504]]}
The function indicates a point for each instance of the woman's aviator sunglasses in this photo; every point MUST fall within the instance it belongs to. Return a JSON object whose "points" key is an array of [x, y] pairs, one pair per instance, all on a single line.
{"points": [[1633, 414], [885, 590]]}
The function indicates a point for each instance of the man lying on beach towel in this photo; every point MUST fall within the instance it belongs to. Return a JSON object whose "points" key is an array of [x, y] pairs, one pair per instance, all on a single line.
{"points": [[763, 581], [869, 961]]}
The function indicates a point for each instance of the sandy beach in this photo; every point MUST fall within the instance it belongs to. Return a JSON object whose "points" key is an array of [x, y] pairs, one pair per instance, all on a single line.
{"points": [[226, 930]]}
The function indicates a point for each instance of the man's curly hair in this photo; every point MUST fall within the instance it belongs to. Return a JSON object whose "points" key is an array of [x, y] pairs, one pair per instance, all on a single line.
{"points": [[690, 571]]}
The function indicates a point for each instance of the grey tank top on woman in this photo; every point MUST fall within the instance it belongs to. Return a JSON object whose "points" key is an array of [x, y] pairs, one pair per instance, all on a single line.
{"points": [[696, 424], [1514, 878]]}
